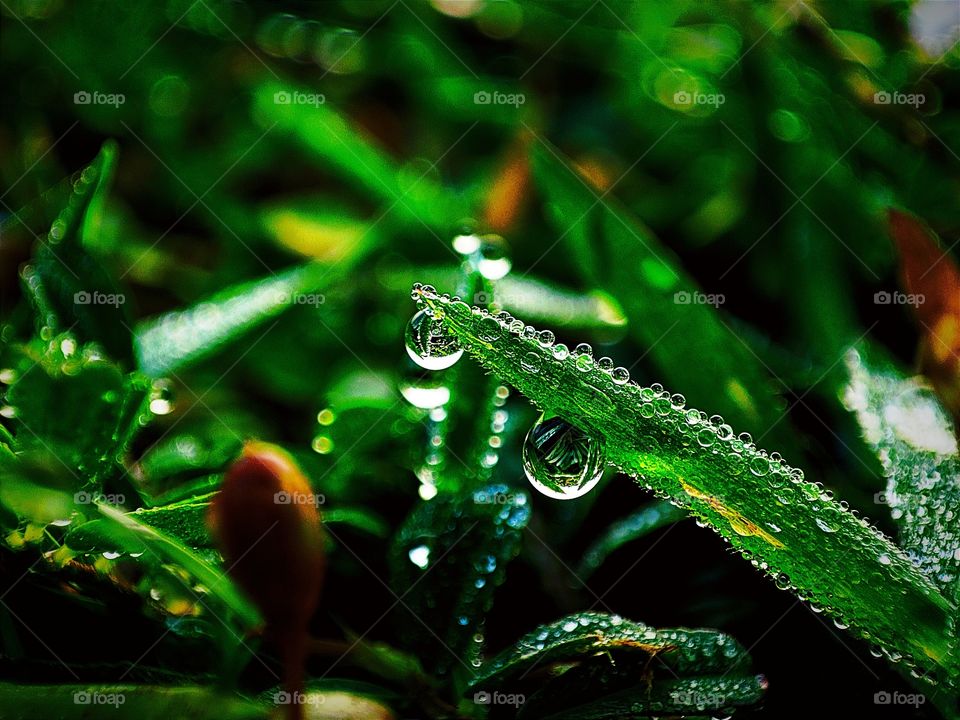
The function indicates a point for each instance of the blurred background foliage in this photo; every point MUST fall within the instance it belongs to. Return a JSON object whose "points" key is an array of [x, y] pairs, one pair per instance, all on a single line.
{"points": [[334, 149]]}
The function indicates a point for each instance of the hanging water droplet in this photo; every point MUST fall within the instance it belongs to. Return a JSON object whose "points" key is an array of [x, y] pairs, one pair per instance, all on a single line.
{"points": [[492, 260], [560, 460], [429, 344], [420, 556], [161, 397]]}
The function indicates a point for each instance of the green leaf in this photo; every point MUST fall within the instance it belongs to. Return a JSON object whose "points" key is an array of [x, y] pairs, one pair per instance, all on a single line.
{"points": [[915, 440], [789, 527], [662, 302], [636, 525], [169, 342], [333, 138], [585, 634], [70, 289], [604, 666], [447, 560], [74, 403], [127, 532], [96, 702]]}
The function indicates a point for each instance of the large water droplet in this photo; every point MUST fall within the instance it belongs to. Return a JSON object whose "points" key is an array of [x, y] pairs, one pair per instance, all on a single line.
{"points": [[560, 460], [429, 344], [492, 260], [420, 556]]}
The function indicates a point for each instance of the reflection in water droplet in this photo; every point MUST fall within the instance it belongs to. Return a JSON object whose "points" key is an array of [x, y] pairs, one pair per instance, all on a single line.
{"points": [[420, 556], [560, 460], [531, 362], [429, 345]]}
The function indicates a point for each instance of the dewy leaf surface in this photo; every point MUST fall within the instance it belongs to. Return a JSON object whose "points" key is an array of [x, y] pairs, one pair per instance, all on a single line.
{"points": [[912, 434], [598, 665], [789, 528]]}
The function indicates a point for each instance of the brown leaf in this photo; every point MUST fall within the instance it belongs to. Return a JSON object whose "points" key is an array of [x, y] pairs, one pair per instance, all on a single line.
{"points": [[930, 275]]}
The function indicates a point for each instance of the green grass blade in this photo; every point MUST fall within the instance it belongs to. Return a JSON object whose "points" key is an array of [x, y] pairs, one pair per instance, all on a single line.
{"points": [[904, 423], [646, 520], [789, 528], [167, 343]]}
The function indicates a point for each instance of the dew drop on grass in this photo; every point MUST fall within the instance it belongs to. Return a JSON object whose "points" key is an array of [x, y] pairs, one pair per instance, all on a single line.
{"points": [[429, 344], [161, 397], [560, 460], [531, 362], [492, 261], [420, 556], [490, 330]]}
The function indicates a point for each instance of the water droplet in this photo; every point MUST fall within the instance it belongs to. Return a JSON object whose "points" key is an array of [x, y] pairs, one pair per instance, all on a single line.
{"points": [[326, 416], [825, 526], [620, 375], [605, 364], [490, 330], [8, 376], [429, 345], [420, 556], [422, 393], [161, 397], [531, 362], [560, 351], [884, 559], [322, 444], [545, 338], [570, 625], [492, 260], [560, 460]]}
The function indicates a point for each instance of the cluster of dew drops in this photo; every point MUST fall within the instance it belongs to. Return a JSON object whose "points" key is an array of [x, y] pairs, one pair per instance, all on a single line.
{"points": [[560, 460]]}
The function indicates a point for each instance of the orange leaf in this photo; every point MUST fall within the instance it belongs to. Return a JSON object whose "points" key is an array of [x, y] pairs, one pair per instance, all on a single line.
{"points": [[930, 277]]}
